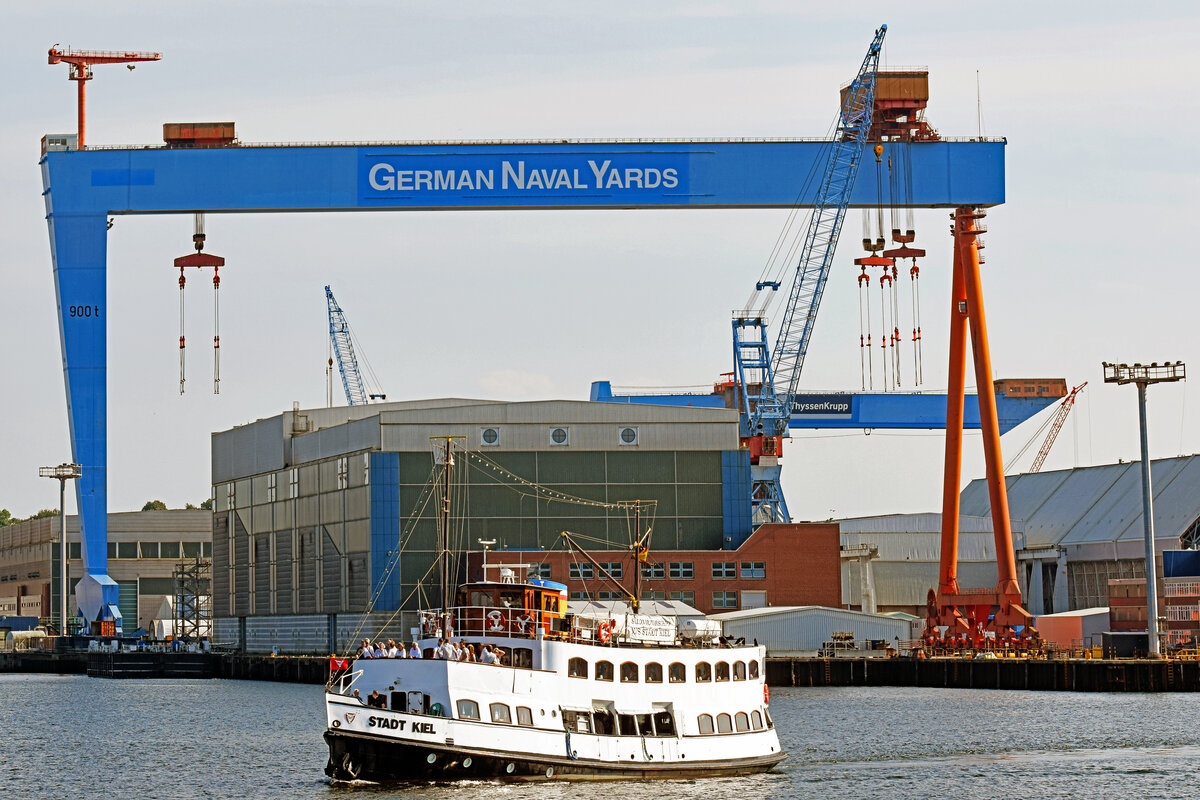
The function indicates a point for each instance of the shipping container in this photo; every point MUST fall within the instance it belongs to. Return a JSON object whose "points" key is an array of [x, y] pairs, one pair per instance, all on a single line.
{"points": [[198, 134]]}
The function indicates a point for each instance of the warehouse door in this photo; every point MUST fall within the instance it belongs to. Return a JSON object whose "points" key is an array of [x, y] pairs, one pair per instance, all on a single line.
{"points": [[127, 604], [756, 599]]}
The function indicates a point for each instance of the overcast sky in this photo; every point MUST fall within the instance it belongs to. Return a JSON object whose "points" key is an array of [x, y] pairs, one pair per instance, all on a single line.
{"points": [[1092, 258]]}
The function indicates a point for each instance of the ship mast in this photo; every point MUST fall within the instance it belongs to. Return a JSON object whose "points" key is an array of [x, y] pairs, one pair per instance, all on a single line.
{"points": [[444, 536], [636, 602]]}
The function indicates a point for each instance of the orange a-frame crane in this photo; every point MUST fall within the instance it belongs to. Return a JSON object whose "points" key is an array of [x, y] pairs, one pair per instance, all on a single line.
{"points": [[81, 62], [968, 613]]}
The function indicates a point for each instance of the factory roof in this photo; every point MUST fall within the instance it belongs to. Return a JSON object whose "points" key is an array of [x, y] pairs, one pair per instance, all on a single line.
{"points": [[1087, 508]]}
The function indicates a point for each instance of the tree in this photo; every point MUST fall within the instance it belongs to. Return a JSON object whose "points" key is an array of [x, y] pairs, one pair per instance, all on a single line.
{"points": [[154, 505], [5, 517], [190, 507], [45, 512], [207, 504]]}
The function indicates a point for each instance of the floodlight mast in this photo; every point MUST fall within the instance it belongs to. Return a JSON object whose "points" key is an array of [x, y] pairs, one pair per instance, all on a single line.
{"points": [[1143, 375], [63, 473]]}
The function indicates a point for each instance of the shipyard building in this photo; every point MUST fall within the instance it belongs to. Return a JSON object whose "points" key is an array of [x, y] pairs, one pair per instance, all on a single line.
{"points": [[310, 505], [144, 549]]}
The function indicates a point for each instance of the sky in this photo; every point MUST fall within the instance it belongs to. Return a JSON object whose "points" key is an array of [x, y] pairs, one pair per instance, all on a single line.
{"points": [[1087, 261]]}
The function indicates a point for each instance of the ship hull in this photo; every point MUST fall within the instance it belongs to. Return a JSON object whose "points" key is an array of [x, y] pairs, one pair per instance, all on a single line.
{"points": [[354, 756]]}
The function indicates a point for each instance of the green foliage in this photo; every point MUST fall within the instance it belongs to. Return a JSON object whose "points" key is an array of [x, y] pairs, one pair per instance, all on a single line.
{"points": [[154, 505], [5, 517], [207, 504]]}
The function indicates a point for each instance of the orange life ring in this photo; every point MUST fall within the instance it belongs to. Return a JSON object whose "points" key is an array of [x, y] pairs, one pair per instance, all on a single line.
{"points": [[766, 694], [604, 633]]}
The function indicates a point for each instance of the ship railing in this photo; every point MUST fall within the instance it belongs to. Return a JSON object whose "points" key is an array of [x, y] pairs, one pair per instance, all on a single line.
{"points": [[344, 683], [472, 621]]}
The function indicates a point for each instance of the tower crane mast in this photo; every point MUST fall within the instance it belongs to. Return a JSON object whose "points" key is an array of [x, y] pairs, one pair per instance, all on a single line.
{"points": [[1060, 417], [343, 350], [767, 380]]}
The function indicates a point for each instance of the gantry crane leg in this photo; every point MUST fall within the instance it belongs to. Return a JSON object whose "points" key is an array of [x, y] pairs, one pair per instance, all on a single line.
{"points": [[973, 610]]}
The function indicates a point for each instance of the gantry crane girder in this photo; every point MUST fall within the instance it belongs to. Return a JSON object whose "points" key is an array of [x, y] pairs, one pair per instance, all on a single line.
{"points": [[82, 189]]}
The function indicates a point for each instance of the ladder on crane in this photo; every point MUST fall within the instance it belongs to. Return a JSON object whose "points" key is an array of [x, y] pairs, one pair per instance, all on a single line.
{"points": [[342, 345], [767, 379]]}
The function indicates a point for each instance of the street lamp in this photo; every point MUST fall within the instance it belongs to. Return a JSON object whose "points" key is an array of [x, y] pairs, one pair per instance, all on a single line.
{"points": [[1143, 375], [63, 473]]}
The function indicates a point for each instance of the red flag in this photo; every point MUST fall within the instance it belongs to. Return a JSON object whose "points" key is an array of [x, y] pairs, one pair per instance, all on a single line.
{"points": [[336, 663]]}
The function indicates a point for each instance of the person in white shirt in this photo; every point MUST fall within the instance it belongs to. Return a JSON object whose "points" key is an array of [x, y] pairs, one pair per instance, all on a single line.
{"points": [[415, 652], [392, 652], [485, 655], [379, 651]]}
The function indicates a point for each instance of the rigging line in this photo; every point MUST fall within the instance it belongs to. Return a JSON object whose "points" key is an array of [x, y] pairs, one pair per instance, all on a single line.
{"points": [[362, 356], [417, 588], [541, 491]]}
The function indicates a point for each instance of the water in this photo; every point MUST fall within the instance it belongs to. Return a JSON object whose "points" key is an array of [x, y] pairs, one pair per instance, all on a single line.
{"points": [[245, 739]]}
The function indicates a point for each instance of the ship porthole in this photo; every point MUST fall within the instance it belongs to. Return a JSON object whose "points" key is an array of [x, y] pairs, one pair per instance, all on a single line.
{"points": [[337, 723], [467, 762], [431, 758], [549, 772], [509, 769]]}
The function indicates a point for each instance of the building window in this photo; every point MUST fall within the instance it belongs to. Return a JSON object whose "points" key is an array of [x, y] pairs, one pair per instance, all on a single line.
{"points": [[468, 709], [524, 716], [754, 569], [191, 549], [706, 725], [581, 570], [271, 488], [540, 569], [724, 569], [724, 724], [604, 671], [580, 596], [722, 670], [725, 599], [684, 597], [127, 550], [682, 570], [168, 550], [703, 672], [608, 595], [649, 595], [500, 713], [294, 483], [206, 548], [366, 469], [560, 436], [614, 568], [577, 668], [654, 672], [343, 473], [629, 672], [653, 572], [148, 549], [230, 496], [73, 550], [677, 672]]}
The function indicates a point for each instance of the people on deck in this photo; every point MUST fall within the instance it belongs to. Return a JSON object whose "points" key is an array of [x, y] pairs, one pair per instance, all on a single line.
{"points": [[365, 650], [415, 652]]}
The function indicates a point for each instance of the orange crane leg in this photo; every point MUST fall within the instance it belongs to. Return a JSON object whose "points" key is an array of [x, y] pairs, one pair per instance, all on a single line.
{"points": [[955, 390]]}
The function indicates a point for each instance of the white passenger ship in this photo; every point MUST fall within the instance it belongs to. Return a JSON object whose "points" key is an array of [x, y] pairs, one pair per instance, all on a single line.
{"points": [[572, 699]]}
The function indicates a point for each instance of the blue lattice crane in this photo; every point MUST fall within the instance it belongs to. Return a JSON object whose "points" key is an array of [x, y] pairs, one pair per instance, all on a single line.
{"points": [[342, 344], [767, 379]]}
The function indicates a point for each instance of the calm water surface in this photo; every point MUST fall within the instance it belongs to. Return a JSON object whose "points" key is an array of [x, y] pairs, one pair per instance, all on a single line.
{"points": [[245, 739]]}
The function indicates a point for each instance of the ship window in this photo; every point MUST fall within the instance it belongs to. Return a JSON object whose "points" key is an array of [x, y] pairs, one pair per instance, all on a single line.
{"points": [[739, 670], [479, 598], [645, 725], [753, 670], [724, 724], [500, 713], [756, 718], [628, 725], [577, 668], [677, 673], [722, 670], [522, 657], [741, 721], [629, 672], [468, 709], [664, 724], [653, 672], [604, 671], [524, 716], [706, 725], [703, 672], [578, 721], [605, 721]]}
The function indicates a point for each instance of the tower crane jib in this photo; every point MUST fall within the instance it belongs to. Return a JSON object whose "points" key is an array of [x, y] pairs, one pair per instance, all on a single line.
{"points": [[343, 350]]}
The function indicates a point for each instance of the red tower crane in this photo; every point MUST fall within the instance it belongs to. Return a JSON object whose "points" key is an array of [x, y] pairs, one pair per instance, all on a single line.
{"points": [[1060, 416], [81, 62]]}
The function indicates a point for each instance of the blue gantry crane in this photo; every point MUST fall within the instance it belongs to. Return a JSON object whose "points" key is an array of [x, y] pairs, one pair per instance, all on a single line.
{"points": [[342, 345], [766, 380]]}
